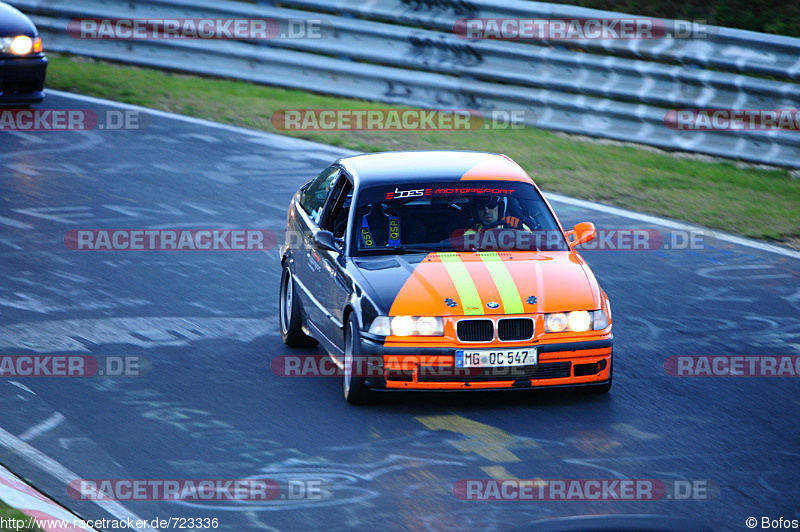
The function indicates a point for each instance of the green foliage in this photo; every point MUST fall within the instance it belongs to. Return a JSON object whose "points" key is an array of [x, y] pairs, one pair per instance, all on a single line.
{"points": [[769, 16], [7, 512]]}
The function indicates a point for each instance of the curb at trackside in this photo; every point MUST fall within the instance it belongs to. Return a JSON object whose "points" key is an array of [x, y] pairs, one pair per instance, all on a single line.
{"points": [[43, 462], [43, 510]]}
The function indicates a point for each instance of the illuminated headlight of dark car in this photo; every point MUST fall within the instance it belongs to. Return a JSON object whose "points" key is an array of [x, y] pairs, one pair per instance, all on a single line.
{"points": [[575, 321], [20, 45], [407, 326]]}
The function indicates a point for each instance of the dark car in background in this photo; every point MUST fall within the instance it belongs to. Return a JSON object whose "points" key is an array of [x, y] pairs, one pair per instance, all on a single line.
{"points": [[23, 65]]}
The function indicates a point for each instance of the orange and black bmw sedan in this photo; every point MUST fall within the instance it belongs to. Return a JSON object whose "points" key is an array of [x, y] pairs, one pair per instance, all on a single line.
{"points": [[441, 270]]}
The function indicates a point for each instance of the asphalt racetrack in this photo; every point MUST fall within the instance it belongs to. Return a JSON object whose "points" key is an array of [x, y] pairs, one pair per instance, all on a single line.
{"points": [[211, 407]]}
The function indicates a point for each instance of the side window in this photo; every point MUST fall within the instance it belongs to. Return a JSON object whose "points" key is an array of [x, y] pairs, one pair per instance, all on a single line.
{"points": [[334, 218], [313, 197]]}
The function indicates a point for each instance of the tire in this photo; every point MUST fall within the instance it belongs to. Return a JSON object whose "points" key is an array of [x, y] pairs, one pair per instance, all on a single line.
{"points": [[599, 389], [355, 387], [291, 322]]}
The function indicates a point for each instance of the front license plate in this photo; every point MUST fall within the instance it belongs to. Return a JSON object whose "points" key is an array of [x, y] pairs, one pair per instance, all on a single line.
{"points": [[496, 358]]}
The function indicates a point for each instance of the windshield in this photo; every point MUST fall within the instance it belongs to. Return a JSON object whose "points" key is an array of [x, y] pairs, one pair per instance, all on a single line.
{"points": [[478, 216]]}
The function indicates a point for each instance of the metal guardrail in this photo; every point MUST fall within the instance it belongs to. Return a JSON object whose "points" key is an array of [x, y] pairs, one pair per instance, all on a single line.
{"points": [[724, 48], [620, 96]]}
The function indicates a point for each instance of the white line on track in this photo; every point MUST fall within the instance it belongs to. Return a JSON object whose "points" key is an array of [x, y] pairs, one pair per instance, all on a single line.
{"points": [[281, 140], [14, 223], [306, 144], [45, 426], [647, 218]]}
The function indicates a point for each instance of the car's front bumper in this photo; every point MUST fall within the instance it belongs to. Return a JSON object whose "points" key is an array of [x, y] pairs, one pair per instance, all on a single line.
{"points": [[576, 363], [22, 80]]}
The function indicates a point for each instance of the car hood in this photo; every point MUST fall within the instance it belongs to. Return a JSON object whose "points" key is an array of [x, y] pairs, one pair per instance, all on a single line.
{"points": [[13, 22], [485, 283]]}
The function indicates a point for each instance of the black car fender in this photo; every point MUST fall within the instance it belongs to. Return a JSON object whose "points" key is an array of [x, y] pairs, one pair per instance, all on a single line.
{"points": [[364, 308]]}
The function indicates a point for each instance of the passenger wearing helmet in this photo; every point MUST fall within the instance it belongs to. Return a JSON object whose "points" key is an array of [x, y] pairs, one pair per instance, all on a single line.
{"points": [[487, 212]]}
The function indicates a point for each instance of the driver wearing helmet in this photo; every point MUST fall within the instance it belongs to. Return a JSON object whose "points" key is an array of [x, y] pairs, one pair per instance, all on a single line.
{"points": [[486, 212]]}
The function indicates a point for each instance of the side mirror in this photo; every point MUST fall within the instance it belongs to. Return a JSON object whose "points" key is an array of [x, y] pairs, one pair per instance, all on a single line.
{"points": [[583, 232], [325, 240]]}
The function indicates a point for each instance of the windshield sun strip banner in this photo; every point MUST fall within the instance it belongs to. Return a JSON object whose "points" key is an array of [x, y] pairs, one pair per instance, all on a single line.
{"points": [[512, 302], [465, 286], [431, 190]]}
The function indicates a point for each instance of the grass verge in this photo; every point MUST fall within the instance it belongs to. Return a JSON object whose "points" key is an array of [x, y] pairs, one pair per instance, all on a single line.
{"points": [[751, 201], [7, 513]]}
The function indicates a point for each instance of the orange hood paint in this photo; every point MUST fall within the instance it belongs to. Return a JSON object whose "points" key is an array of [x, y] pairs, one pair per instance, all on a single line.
{"points": [[558, 280]]}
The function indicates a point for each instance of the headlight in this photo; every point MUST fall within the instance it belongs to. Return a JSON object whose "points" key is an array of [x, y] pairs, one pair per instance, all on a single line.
{"points": [[402, 326], [427, 326], [555, 322], [575, 321], [20, 45], [407, 326], [579, 320]]}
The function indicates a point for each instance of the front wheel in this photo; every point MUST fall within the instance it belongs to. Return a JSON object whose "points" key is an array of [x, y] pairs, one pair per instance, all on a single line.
{"points": [[291, 323], [355, 383]]}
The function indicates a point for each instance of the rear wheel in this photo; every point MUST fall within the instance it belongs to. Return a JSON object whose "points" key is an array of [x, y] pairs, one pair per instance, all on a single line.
{"points": [[291, 322], [355, 383]]}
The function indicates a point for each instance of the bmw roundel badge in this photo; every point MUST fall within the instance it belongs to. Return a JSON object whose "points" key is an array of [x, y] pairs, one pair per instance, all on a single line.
{"points": [[492, 304]]}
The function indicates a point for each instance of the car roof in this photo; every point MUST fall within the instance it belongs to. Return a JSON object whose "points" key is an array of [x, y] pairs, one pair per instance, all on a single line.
{"points": [[398, 167]]}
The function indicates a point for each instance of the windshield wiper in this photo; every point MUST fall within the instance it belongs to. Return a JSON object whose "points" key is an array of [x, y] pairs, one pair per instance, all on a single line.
{"points": [[405, 249]]}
